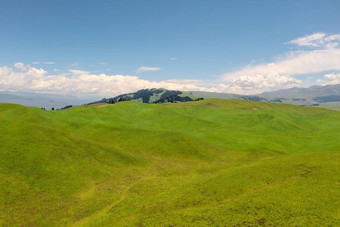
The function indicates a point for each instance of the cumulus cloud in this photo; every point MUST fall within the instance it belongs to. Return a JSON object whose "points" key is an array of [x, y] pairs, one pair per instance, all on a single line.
{"points": [[280, 73], [36, 63], [48, 63], [295, 63], [23, 77], [258, 83], [329, 79], [145, 69], [318, 40]]}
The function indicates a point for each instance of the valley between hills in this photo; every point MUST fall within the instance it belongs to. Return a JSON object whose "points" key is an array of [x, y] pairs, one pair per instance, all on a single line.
{"points": [[210, 162]]}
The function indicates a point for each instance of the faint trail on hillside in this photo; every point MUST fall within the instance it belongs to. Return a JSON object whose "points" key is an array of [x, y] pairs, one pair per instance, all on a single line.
{"points": [[101, 105], [103, 211]]}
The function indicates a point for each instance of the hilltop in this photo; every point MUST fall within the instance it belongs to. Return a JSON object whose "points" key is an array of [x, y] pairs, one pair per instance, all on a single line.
{"points": [[208, 162], [324, 96], [154, 95]]}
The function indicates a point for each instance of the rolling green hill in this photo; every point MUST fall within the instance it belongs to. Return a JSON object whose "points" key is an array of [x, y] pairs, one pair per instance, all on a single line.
{"points": [[204, 163]]}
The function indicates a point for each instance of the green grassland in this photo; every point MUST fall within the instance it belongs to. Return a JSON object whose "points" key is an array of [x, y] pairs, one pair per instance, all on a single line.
{"points": [[205, 163]]}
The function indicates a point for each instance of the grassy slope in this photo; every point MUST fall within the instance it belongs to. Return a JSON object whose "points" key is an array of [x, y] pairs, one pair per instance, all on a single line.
{"points": [[212, 162]]}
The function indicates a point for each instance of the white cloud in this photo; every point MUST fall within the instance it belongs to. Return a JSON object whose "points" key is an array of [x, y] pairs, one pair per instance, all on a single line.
{"points": [[20, 66], [36, 63], [295, 63], [102, 63], [318, 40], [257, 83], [173, 59], [145, 69], [280, 73], [48, 63], [331, 78], [81, 83], [251, 79]]}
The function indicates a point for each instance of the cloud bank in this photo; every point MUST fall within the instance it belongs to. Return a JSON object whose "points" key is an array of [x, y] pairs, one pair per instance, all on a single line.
{"points": [[322, 58], [23, 77], [279, 74]]}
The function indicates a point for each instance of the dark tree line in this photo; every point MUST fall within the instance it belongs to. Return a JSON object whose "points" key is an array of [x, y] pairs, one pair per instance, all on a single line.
{"points": [[328, 98]]}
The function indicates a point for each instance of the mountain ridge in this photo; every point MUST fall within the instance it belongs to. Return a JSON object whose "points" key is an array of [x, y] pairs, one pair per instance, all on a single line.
{"points": [[325, 96]]}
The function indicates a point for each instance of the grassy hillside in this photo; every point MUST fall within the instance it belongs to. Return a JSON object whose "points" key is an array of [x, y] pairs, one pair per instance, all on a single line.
{"points": [[209, 162]]}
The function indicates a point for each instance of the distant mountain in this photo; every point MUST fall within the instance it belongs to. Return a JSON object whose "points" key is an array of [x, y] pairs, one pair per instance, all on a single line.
{"points": [[306, 93], [325, 96]]}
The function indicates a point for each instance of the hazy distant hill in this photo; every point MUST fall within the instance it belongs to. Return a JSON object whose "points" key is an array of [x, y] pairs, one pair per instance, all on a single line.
{"points": [[306, 93], [208, 95], [46, 101], [325, 96]]}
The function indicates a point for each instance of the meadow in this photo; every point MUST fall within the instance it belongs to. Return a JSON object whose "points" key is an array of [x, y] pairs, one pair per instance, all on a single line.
{"points": [[202, 163]]}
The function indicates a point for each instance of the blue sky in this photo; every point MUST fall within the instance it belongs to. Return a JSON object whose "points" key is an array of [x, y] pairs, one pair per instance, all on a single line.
{"points": [[205, 45]]}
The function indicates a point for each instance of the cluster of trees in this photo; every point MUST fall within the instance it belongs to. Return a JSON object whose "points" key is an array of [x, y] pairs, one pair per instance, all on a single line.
{"points": [[328, 98], [252, 98], [174, 98], [66, 107], [112, 100], [143, 94]]}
